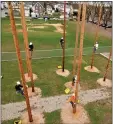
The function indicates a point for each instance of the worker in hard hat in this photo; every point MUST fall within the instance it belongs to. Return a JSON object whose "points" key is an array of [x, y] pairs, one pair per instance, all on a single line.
{"points": [[74, 80], [62, 42], [72, 100], [19, 88], [31, 47], [96, 46]]}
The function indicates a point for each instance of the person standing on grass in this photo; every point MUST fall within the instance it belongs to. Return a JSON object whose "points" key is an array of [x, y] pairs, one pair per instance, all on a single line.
{"points": [[19, 88], [62, 42], [31, 47]]}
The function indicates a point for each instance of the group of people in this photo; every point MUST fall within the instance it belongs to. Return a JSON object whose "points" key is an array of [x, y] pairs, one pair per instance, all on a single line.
{"points": [[31, 46], [62, 44], [19, 87]]}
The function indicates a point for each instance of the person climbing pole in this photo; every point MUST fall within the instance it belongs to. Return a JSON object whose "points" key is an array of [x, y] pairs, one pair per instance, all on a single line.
{"points": [[31, 47], [74, 79], [95, 46], [62, 42], [72, 100], [19, 88]]}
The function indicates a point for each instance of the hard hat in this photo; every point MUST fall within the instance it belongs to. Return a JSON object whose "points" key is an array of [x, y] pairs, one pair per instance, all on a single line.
{"points": [[73, 94], [62, 38], [18, 82], [31, 43]]}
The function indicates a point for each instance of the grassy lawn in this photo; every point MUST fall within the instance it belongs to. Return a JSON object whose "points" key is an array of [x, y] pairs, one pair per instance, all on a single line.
{"points": [[50, 83], [47, 38], [100, 112], [10, 121], [48, 79], [53, 117]]}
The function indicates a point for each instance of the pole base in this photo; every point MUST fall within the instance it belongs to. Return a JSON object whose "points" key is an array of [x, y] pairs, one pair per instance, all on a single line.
{"points": [[80, 117], [72, 88], [37, 92], [65, 73], [37, 118], [94, 69], [106, 83], [28, 79]]}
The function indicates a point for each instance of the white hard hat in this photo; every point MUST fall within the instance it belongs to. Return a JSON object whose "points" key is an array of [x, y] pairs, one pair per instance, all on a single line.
{"points": [[31, 43], [62, 38], [73, 94], [75, 77], [18, 82]]}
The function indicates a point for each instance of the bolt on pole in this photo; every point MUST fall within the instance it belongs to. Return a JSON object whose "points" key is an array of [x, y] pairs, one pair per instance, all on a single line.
{"points": [[107, 67], [16, 42], [96, 35], [80, 54], [64, 37], [25, 35]]}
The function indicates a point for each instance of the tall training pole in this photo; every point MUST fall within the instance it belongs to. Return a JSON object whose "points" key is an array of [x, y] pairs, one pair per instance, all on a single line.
{"points": [[107, 67], [64, 37], [25, 35], [28, 70], [96, 36], [16, 42], [80, 54], [76, 41]]}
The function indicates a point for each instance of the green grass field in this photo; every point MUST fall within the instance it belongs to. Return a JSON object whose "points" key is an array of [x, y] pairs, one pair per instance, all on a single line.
{"points": [[47, 38], [48, 80]]}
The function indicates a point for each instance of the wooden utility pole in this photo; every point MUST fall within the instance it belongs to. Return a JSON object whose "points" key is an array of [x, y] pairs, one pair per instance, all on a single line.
{"points": [[107, 67], [96, 36], [64, 37], [80, 54], [25, 35], [76, 42], [16, 42], [28, 70]]}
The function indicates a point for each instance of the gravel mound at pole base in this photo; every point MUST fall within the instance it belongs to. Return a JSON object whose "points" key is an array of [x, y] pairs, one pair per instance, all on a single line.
{"points": [[37, 118], [28, 79], [65, 73], [94, 69], [106, 83], [37, 92], [80, 117], [72, 88]]}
